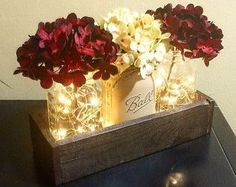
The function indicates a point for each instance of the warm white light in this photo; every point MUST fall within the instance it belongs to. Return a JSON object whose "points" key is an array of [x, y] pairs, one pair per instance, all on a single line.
{"points": [[176, 89], [172, 100], [61, 133], [175, 86], [159, 82], [189, 82], [191, 79], [64, 100], [107, 123], [79, 107], [174, 181], [94, 101], [72, 86], [66, 111], [92, 128], [80, 130]]}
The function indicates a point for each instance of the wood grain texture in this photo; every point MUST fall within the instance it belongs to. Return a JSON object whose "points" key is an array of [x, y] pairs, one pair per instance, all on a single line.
{"points": [[83, 155]]}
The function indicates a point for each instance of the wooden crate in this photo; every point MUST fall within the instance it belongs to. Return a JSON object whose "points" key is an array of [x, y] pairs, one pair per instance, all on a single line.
{"points": [[75, 157]]}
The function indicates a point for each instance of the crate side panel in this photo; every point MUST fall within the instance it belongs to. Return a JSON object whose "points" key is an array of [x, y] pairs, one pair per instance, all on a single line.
{"points": [[44, 153], [93, 154]]}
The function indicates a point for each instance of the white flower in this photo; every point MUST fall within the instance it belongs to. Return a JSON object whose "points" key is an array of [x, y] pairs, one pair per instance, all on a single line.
{"points": [[125, 15], [118, 20], [139, 37], [140, 46], [147, 21], [146, 70], [123, 40], [140, 43], [128, 58], [112, 27], [159, 52], [146, 64]]}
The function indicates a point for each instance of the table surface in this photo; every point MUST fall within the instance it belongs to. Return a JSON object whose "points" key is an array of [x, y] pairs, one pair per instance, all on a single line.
{"points": [[209, 161]]}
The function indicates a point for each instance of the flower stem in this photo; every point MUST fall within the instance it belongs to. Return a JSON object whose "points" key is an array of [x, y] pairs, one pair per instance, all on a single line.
{"points": [[75, 98], [171, 67], [75, 89]]}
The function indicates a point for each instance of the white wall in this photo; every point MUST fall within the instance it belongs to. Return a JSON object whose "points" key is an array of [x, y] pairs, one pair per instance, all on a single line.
{"points": [[18, 18]]}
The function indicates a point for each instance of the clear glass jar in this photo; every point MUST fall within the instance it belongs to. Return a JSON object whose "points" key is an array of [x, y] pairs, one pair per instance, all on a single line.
{"points": [[72, 111], [175, 82]]}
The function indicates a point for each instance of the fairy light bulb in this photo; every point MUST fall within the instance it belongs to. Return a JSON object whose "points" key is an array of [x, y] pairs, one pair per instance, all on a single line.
{"points": [[72, 86], [80, 129], [64, 100], [61, 133], [176, 89], [176, 179], [172, 100], [175, 86], [92, 128], [66, 111], [158, 82], [94, 101], [191, 79]]}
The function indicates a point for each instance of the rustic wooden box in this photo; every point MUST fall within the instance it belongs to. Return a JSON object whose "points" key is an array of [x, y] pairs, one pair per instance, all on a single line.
{"points": [[79, 156]]}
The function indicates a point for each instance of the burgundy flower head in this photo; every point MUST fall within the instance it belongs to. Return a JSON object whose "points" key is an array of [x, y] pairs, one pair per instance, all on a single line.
{"points": [[65, 50], [190, 30]]}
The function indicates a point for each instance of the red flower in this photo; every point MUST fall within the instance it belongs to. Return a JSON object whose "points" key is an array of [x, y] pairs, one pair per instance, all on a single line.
{"points": [[64, 51], [191, 32]]}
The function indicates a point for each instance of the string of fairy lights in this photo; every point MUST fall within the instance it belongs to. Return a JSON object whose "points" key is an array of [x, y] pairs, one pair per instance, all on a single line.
{"points": [[77, 111], [177, 91], [73, 112]]}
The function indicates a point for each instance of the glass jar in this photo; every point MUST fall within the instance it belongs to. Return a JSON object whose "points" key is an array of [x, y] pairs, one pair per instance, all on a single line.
{"points": [[175, 82], [73, 111], [127, 96]]}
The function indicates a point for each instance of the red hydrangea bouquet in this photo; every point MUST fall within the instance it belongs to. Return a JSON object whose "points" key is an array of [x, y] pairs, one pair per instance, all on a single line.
{"points": [[191, 31], [65, 50], [72, 52]]}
